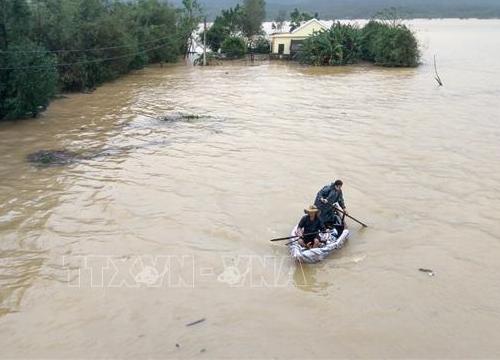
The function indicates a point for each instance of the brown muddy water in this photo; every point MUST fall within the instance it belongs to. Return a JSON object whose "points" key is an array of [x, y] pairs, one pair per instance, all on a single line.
{"points": [[162, 223]]}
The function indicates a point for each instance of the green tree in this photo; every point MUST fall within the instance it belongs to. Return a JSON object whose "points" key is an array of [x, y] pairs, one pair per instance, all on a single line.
{"points": [[27, 73], [15, 17], [28, 80], [159, 36], [254, 14], [389, 43], [234, 47], [129, 34], [229, 23], [232, 19], [396, 46], [369, 35], [216, 36], [97, 27]]}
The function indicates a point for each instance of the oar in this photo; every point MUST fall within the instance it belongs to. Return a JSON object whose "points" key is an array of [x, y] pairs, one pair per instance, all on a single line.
{"points": [[300, 236], [293, 237], [321, 232], [346, 214]]}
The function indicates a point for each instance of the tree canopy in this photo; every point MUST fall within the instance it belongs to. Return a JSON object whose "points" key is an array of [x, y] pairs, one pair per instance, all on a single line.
{"points": [[245, 20], [254, 14]]}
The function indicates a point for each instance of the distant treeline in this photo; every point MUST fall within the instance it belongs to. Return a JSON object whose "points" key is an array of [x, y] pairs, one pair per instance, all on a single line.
{"points": [[365, 9], [74, 45]]}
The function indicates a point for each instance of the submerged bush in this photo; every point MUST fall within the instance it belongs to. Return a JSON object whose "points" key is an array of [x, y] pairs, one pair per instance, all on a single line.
{"points": [[369, 35], [234, 47], [340, 45], [385, 44], [388, 45]]}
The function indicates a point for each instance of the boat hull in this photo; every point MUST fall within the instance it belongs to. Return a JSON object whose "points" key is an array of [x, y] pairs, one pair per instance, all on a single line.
{"points": [[332, 241]]}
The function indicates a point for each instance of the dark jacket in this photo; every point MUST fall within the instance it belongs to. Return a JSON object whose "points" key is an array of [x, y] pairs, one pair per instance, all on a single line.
{"points": [[332, 196], [311, 227], [329, 193]]}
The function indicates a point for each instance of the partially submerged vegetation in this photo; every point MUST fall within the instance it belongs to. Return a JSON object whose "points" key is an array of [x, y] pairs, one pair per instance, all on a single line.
{"points": [[384, 41], [389, 44], [45, 158], [180, 116], [340, 45], [75, 45], [61, 157]]}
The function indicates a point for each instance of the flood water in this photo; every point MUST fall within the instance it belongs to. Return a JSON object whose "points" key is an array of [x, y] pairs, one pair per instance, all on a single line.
{"points": [[162, 223]]}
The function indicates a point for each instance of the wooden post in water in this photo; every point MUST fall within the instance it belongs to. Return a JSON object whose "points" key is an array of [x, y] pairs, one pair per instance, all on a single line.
{"points": [[437, 77], [205, 42]]}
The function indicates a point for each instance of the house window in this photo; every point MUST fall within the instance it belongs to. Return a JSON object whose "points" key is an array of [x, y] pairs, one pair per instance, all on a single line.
{"points": [[281, 48]]}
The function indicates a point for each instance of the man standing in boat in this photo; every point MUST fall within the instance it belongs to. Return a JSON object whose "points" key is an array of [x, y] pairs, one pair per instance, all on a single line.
{"points": [[309, 228], [325, 200]]}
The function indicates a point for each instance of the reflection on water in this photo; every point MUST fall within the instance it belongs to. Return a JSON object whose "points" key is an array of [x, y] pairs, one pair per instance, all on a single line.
{"points": [[311, 278], [419, 163], [305, 278]]}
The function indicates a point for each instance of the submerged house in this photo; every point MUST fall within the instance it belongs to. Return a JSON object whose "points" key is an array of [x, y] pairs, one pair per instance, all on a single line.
{"points": [[287, 44]]}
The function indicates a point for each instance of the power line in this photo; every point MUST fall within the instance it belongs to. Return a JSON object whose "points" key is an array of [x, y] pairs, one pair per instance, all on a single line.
{"points": [[82, 62], [79, 50]]}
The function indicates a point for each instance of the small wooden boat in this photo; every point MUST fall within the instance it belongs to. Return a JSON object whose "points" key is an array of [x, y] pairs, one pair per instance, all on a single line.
{"points": [[331, 241]]}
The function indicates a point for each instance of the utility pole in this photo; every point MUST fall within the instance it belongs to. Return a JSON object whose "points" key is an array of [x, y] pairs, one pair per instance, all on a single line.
{"points": [[205, 42]]}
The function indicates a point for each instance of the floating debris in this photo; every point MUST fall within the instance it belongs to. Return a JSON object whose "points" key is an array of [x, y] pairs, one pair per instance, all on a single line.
{"points": [[47, 158], [52, 157], [427, 271], [203, 350], [178, 116], [196, 322], [177, 346]]}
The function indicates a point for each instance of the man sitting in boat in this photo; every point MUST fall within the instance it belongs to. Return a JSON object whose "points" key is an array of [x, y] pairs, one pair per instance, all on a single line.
{"points": [[325, 201], [309, 228]]}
